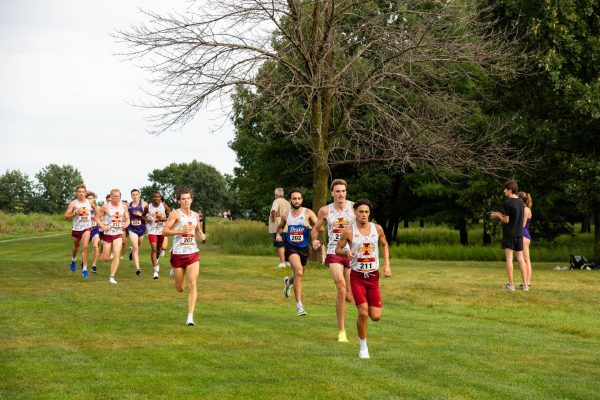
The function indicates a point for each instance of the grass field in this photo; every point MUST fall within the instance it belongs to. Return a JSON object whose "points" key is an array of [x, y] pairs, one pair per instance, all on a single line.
{"points": [[447, 332]]}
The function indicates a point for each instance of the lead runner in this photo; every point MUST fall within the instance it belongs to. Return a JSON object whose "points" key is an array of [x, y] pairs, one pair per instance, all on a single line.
{"points": [[364, 238]]}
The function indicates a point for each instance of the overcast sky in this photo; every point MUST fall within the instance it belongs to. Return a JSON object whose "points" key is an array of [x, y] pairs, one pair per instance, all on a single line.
{"points": [[64, 97]]}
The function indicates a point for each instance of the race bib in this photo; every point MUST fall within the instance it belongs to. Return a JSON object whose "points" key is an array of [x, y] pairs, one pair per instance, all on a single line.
{"points": [[84, 219], [136, 222], [365, 266], [115, 224], [297, 237], [94, 223], [160, 224], [187, 240]]}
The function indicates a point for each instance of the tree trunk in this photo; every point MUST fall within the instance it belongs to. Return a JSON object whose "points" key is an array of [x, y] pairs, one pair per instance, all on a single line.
{"points": [[464, 233], [320, 176], [487, 238], [406, 223], [596, 210], [422, 223], [585, 225]]}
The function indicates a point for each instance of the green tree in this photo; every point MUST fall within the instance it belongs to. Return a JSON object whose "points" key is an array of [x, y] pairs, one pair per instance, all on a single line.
{"points": [[56, 187], [16, 191], [209, 186]]}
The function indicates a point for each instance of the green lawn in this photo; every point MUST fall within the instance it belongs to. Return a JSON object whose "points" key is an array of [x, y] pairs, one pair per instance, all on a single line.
{"points": [[447, 332]]}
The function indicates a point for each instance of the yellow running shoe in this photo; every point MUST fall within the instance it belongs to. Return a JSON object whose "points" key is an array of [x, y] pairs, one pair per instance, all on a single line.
{"points": [[342, 337]]}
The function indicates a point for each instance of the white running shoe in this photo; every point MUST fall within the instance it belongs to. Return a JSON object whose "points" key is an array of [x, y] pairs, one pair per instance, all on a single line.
{"points": [[155, 275], [287, 264], [364, 354], [190, 322], [286, 287], [112, 280], [172, 273], [281, 265], [301, 311]]}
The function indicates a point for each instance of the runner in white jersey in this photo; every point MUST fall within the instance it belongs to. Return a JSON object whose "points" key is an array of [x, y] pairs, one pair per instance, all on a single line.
{"points": [[79, 210], [156, 214], [339, 216], [183, 223], [363, 252], [298, 221], [112, 218]]}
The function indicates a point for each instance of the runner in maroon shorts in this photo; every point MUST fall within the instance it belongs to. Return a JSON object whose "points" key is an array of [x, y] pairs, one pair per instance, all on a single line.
{"points": [[339, 216], [364, 238], [156, 214], [112, 218], [184, 224], [80, 211]]}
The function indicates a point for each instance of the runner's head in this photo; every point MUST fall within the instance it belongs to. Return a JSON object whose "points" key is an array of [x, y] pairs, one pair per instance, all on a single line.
{"points": [[91, 196], [362, 210], [81, 191], [115, 196], [296, 198], [156, 198], [338, 190], [278, 193], [135, 195], [185, 196], [510, 188]]}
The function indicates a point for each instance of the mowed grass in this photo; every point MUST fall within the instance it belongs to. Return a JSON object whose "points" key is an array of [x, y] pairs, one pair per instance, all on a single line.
{"points": [[447, 332]]}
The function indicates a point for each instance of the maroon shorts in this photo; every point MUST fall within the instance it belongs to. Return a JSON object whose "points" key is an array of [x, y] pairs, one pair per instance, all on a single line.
{"points": [[79, 234], [183, 260], [335, 259], [158, 239], [365, 290], [110, 238]]}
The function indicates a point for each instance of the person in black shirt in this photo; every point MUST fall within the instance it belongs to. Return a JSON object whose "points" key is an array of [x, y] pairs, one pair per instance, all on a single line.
{"points": [[512, 232]]}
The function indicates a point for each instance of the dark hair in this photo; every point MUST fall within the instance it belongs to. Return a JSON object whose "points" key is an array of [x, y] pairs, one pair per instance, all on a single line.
{"points": [[184, 190], [363, 202], [512, 186], [135, 190], [158, 193], [91, 194], [295, 190]]}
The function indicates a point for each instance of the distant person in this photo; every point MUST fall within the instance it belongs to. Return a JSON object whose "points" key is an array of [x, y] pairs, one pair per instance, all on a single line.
{"points": [[79, 210], [299, 221], [512, 216], [527, 200], [112, 218], [137, 228], [156, 214], [279, 207], [95, 232], [124, 234], [339, 216], [202, 222], [364, 238], [184, 225]]}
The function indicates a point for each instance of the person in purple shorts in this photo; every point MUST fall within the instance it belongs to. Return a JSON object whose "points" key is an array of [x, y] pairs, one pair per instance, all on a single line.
{"points": [[95, 233], [526, 197], [137, 228], [512, 232]]}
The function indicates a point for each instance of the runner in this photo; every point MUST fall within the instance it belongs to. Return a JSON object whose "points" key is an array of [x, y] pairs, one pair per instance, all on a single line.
{"points": [[79, 211], [156, 214], [339, 216], [112, 218], [184, 225], [95, 233], [124, 234], [299, 221], [137, 228], [363, 238]]}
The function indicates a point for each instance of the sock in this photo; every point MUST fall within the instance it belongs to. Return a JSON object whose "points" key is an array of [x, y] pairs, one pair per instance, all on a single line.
{"points": [[73, 259], [156, 268], [363, 343], [299, 304], [85, 268], [190, 317]]}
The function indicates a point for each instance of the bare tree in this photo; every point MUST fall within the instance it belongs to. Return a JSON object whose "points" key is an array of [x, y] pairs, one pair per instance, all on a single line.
{"points": [[351, 80]]}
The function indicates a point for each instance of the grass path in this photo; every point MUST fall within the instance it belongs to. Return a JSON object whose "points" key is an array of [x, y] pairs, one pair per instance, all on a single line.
{"points": [[447, 331]]}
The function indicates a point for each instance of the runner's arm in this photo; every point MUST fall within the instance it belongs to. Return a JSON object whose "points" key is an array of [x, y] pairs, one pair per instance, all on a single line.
{"points": [[345, 238], [314, 233], [201, 234], [387, 272], [70, 213], [280, 229], [168, 228]]}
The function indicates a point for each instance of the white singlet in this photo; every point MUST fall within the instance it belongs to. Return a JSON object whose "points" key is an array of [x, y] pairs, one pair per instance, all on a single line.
{"points": [[337, 221], [185, 243], [366, 250], [114, 219], [82, 221], [155, 227]]}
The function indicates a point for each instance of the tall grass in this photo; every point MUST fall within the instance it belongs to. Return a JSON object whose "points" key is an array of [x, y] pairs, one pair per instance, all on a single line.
{"points": [[12, 225]]}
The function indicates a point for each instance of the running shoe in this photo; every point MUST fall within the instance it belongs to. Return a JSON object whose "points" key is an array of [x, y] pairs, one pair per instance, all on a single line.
{"points": [[190, 322], [112, 280], [73, 266], [525, 288], [508, 286], [172, 273], [342, 337], [94, 269], [85, 273], [130, 254], [162, 253], [287, 264], [155, 275], [138, 272], [364, 354], [301, 311], [281, 265], [286, 286]]}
